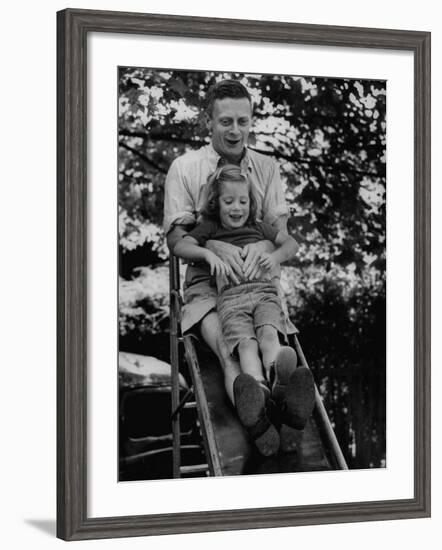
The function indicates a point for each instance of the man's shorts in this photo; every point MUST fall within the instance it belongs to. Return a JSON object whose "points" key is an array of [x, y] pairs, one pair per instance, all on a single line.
{"points": [[200, 299], [244, 308]]}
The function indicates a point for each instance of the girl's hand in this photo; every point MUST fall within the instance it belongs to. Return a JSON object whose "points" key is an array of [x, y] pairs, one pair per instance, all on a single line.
{"points": [[267, 261], [217, 266]]}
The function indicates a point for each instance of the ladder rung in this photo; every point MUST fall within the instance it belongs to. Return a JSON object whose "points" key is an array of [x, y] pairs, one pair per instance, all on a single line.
{"points": [[196, 469], [190, 405]]}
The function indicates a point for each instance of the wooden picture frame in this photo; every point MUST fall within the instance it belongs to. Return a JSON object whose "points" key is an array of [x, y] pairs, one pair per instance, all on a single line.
{"points": [[73, 27]]}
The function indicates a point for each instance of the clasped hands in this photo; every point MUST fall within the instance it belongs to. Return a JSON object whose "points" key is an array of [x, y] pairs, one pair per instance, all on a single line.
{"points": [[239, 264]]}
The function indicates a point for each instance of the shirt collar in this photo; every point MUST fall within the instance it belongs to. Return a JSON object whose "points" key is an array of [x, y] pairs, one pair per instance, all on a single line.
{"points": [[215, 158]]}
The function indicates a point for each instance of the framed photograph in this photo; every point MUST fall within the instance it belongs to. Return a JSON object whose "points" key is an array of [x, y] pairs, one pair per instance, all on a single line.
{"points": [[315, 138]]}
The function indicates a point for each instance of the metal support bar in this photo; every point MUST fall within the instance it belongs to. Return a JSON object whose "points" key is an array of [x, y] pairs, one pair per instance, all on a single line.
{"points": [[174, 360], [182, 403], [326, 427], [209, 439]]}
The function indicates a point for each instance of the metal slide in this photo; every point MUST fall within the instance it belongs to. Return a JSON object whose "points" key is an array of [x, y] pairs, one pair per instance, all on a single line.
{"points": [[227, 447]]}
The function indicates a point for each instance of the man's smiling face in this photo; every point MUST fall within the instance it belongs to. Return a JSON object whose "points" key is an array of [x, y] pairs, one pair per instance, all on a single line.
{"points": [[230, 125]]}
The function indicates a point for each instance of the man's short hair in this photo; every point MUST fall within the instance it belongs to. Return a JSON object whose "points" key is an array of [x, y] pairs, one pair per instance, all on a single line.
{"points": [[233, 89]]}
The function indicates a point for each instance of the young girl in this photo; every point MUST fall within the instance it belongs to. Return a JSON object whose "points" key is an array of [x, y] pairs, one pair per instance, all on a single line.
{"points": [[250, 311]]}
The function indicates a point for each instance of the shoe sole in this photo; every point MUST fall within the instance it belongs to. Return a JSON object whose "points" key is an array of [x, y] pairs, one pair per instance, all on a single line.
{"points": [[250, 406], [293, 389], [285, 366], [290, 439], [300, 398]]}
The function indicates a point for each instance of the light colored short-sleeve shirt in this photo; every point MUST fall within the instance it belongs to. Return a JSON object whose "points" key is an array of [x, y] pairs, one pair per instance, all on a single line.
{"points": [[187, 178]]}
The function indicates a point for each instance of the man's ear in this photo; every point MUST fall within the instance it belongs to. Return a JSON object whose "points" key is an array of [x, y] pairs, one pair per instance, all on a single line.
{"points": [[209, 122], [252, 120]]}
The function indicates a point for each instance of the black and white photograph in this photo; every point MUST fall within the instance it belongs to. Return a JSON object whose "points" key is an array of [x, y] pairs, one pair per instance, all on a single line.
{"points": [[252, 273], [220, 235]]}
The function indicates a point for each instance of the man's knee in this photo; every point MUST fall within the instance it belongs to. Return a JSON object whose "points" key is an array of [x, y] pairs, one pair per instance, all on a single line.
{"points": [[210, 330]]}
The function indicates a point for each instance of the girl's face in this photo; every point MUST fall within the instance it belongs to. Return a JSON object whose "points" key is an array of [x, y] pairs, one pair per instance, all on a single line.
{"points": [[234, 204]]}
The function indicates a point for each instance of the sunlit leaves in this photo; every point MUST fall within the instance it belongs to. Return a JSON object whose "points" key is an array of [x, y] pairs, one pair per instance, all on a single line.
{"points": [[328, 134]]}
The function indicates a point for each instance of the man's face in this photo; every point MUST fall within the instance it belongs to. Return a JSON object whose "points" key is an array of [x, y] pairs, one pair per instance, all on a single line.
{"points": [[230, 127]]}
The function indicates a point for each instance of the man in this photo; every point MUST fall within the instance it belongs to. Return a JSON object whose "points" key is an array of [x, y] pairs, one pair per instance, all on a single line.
{"points": [[229, 118]]}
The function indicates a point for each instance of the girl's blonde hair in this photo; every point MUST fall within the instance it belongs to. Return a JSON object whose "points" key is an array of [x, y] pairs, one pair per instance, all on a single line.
{"points": [[225, 173]]}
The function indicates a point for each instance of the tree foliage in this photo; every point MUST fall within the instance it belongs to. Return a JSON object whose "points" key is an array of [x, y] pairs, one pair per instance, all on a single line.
{"points": [[327, 134], [329, 137]]}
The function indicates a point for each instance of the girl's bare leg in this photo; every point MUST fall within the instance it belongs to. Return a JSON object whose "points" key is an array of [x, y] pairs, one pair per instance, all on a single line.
{"points": [[211, 332], [248, 351], [269, 345]]}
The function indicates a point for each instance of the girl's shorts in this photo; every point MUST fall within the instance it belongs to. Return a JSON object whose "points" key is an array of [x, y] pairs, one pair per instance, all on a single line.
{"points": [[244, 308]]}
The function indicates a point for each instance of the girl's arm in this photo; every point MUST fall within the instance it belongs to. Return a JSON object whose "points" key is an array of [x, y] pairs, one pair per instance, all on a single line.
{"points": [[189, 249], [286, 250]]}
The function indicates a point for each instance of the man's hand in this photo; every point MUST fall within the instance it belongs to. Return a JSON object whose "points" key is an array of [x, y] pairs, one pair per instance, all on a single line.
{"points": [[251, 254], [268, 261], [217, 266], [231, 256]]}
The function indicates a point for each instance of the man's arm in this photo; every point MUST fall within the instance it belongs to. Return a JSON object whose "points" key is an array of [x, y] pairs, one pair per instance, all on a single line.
{"points": [[229, 254], [176, 234], [179, 205], [274, 212], [286, 249], [188, 248], [280, 223]]}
